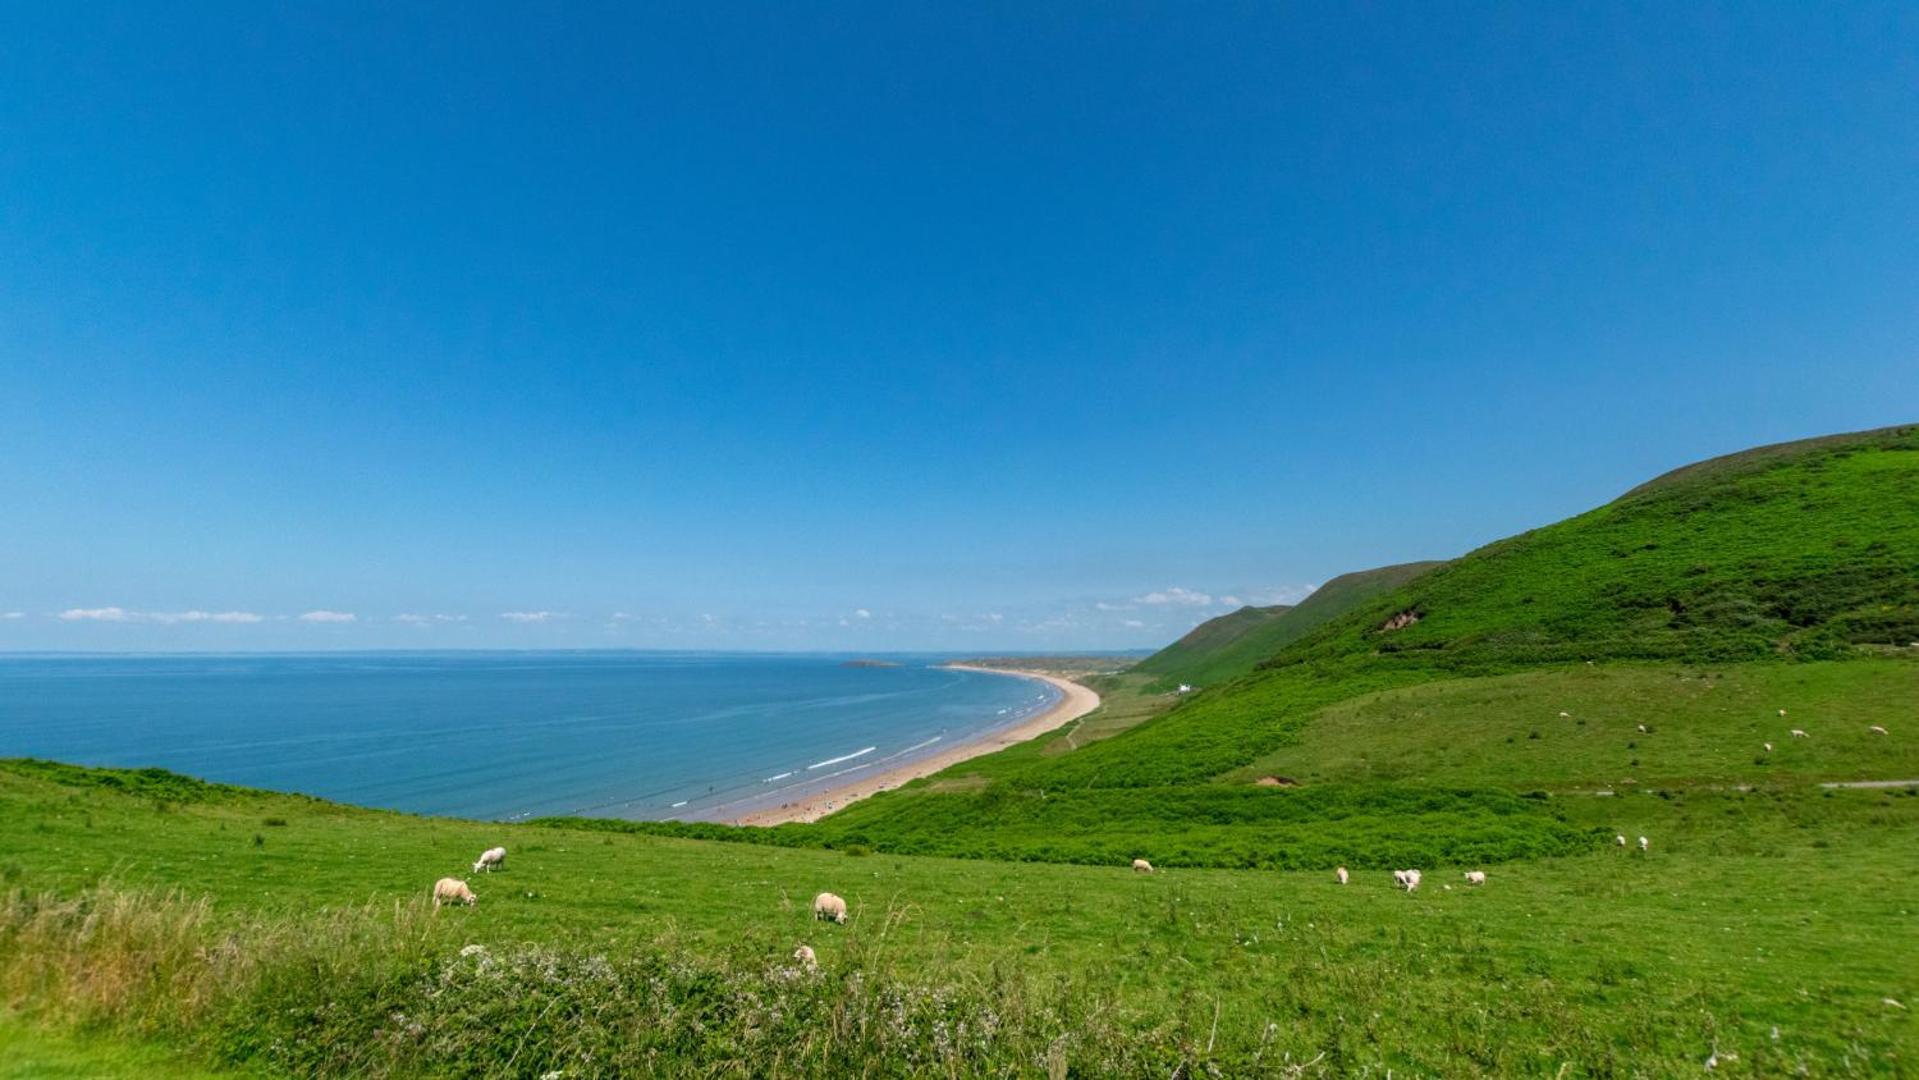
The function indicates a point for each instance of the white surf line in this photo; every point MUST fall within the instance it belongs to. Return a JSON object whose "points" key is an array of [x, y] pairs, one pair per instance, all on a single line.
{"points": [[812, 781], [677, 805], [774, 779], [842, 757]]}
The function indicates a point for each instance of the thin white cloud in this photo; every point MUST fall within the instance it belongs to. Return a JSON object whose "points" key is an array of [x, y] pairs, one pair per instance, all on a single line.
{"points": [[415, 619], [1231, 601], [1133, 623], [862, 613], [13, 615], [529, 616], [1175, 596], [621, 616], [329, 617], [1104, 606], [165, 618], [97, 614]]}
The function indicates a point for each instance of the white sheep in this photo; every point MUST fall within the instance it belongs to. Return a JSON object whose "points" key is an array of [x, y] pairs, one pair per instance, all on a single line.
{"points": [[804, 957], [1642, 729], [1475, 877], [449, 890], [490, 860], [1406, 879], [1798, 734], [1340, 874], [1645, 844], [1142, 866], [829, 906], [1620, 839], [1564, 715], [1875, 729], [1782, 712], [1768, 747]]}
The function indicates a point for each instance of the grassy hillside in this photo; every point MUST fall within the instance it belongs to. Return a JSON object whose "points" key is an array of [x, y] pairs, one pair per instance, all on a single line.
{"points": [[1232, 645], [1807, 554], [1179, 661], [291, 936]]}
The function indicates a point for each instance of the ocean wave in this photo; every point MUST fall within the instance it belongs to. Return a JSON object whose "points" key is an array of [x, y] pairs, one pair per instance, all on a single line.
{"points": [[842, 757]]}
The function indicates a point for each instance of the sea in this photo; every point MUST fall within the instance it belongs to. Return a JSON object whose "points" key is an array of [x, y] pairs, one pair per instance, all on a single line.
{"points": [[509, 735]]}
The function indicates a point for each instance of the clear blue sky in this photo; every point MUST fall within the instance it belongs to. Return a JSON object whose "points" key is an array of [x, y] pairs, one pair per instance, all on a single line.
{"points": [[899, 326]]}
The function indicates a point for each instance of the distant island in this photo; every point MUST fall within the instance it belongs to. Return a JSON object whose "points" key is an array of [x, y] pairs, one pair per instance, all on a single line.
{"points": [[871, 663]]}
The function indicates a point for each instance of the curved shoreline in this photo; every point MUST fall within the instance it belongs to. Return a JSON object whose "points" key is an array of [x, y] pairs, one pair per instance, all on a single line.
{"points": [[1075, 701]]}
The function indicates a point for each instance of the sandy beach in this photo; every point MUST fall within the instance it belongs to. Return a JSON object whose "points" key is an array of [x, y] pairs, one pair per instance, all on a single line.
{"points": [[1075, 701]]}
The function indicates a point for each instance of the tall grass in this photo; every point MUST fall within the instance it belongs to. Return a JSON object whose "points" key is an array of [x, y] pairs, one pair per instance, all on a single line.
{"points": [[388, 992]]}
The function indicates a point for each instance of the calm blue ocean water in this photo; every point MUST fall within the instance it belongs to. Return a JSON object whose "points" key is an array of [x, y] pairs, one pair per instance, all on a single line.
{"points": [[504, 735]]}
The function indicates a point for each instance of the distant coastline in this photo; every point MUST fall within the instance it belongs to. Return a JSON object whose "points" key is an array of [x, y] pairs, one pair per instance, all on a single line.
{"points": [[1075, 701]]}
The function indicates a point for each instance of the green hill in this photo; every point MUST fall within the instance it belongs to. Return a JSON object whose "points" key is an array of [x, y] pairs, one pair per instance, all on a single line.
{"points": [[1786, 556], [1182, 657], [1231, 645]]}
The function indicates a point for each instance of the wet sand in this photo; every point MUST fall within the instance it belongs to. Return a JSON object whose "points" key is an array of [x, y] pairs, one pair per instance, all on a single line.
{"points": [[1075, 701]]}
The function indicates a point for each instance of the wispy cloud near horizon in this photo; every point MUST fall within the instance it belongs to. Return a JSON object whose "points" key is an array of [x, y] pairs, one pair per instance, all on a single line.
{"points": [[530, 616], [122, 615], [328, 617], [1177, 596]]}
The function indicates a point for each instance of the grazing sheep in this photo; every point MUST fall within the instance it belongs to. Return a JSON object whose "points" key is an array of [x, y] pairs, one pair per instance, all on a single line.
{"points": [[1564, 715], [490, 860], [805, 958], [1645, 844], [829, 906], [1875, 729], [1782, 712], [1340, 874], [450, 890], [1620, 839], [1798, 734], [1142, 866], [1406, 879], [1475, 877], [1768, 747], [1642, 729]]}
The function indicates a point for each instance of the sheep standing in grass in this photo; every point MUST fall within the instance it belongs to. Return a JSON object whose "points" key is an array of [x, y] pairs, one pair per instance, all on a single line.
{"points": [[1475, 877], [1645, 844], [1799, 734], [490, 860], [1875, 729], [1406, 879], [829, 906], [1142, 866], [1340, 874], [450, 890], [1620, 839], [803, 956], [1768, 747]]}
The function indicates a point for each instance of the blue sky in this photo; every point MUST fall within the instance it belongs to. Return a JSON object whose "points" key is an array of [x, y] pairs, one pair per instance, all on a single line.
{"points": [[899, 326]]}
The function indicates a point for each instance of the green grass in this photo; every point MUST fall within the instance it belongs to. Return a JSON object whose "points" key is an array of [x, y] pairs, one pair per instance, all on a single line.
{"points": [[1605, 962], [29, 1053], [1222, 649], [1704, 726]]}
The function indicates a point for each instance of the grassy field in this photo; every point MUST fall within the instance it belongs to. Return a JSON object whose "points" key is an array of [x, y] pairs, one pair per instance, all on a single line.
{"points": [[1606, 963]]}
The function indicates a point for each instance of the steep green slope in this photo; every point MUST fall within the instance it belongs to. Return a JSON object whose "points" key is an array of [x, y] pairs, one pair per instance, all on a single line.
{"points": [[1782, 556], [1183, 659], [1232, 645]]}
